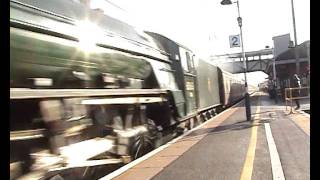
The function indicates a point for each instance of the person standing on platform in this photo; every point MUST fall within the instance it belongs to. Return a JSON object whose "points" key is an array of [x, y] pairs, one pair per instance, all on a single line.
{"points": [[296, 92], [274, 92]]}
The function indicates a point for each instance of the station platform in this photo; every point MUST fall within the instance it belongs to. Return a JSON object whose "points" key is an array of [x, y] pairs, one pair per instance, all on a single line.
{"points": [[274, 145]]}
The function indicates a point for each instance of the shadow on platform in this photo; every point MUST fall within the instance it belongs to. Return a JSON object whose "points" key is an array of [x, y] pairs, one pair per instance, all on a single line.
{"points": [[226, 128]]}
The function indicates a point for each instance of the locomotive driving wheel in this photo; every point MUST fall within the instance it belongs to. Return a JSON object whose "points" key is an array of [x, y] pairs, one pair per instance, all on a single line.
{"points": [[147, 141]]}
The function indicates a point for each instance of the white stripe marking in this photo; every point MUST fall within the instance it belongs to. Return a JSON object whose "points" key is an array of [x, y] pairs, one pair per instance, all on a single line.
{"points": [[277, 171], [137, 161]]}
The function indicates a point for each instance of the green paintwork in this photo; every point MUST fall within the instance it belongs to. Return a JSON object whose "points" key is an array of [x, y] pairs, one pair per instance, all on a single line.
{"points": [[35, 55]]}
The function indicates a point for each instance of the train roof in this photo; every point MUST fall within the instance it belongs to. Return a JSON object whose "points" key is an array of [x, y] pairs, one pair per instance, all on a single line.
{"points": [[153, 34], [231, 75], [70, 11]]}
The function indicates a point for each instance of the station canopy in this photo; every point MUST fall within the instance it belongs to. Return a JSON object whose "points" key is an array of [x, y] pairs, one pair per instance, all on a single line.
{"points": [[289, 54]]}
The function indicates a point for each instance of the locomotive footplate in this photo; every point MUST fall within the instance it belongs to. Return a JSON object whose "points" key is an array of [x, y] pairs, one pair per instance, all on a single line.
{"points": [[25, 93]]}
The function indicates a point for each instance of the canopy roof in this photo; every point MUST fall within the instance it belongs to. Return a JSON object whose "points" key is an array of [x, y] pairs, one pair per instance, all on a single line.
{"points": [[289, 54]]}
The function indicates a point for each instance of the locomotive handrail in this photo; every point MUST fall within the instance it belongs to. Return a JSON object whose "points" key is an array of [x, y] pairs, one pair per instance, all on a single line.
{"points": [[167, 70], [189, 74]]}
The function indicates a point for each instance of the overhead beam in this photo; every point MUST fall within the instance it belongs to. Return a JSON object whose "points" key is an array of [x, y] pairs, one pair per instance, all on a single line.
{"points": [[289, 61], [250, 53]]}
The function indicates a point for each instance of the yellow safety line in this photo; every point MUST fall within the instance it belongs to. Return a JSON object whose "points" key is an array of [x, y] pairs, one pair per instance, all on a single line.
{"points": [[248, 165]]}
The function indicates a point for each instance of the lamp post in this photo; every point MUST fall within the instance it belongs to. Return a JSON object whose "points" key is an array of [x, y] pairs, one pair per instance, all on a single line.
{"points": [[247, 97], [295, 40]]}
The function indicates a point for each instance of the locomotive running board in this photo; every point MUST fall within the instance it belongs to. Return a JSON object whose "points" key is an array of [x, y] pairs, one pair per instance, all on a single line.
{"points": [[123, 100], [27, 134], [25, 93]]}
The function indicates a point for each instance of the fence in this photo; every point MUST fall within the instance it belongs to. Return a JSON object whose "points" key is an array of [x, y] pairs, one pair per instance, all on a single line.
{"points": [[296, 93]]}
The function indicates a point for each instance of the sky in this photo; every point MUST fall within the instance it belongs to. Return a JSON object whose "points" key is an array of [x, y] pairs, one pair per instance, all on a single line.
{"points": [[205, 25]]}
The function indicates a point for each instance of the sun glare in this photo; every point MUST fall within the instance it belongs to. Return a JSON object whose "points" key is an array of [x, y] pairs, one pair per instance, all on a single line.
{"points": [[88, 34]]}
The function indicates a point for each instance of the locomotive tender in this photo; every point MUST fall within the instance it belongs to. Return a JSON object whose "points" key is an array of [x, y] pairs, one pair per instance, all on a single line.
{"points": [[88, 90]]}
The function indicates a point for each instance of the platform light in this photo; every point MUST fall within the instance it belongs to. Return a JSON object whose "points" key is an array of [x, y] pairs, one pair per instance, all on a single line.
{"points": [[247, 97], [226, 2], [296, 56]]}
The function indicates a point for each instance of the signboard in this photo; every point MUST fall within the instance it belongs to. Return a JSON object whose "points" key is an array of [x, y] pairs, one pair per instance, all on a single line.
{"points": [[234, 41], [281, 44]]}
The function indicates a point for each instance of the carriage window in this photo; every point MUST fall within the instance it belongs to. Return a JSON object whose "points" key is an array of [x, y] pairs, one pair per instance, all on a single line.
{"points": [[192, 62], [189, 61], [184, 62]]}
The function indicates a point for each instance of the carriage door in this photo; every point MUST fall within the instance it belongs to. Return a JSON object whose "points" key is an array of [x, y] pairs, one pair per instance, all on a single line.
{"points": [[189, 80]]}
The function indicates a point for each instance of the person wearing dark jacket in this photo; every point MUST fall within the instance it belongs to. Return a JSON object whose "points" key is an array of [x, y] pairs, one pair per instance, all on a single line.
{"points": [[296, 92]]}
